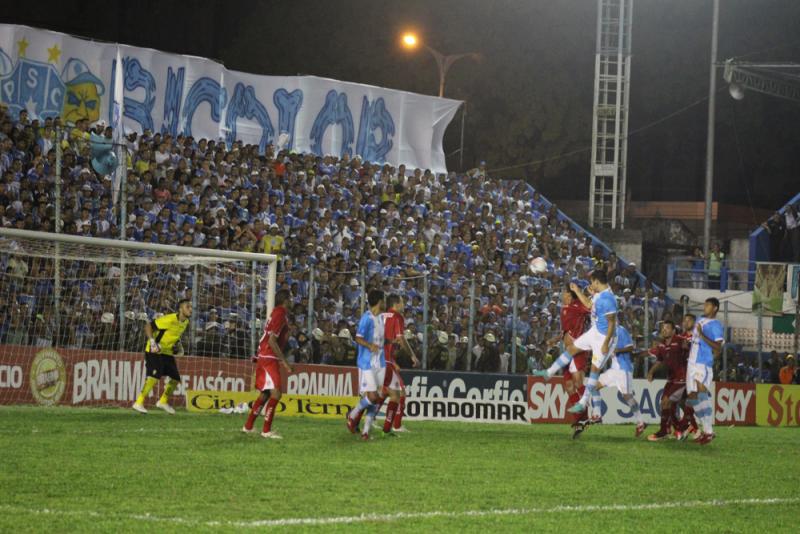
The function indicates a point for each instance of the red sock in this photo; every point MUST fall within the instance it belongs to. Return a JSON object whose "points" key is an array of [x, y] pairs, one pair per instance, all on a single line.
{"points": [[689, 411], [391, 409], [269, 413], [673, 414], [666, 418], [574, 398], [257, 404], [398, 417]]}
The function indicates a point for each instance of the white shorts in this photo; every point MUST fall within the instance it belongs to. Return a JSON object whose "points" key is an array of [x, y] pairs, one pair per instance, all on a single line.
{"points": [[394, 383], [697, 372], [617, 378], [370, 380], [593, 340]]}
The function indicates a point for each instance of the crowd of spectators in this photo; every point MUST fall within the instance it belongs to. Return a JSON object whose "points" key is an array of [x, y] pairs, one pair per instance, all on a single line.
{"points": [[773, 369], [408, 231]]}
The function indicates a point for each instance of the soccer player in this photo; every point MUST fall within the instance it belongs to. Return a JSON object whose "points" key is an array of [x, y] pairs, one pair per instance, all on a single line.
{"points": [[163, 343], [394, 326], [688, 424], [619, 376], [371, 363], [270, 359], [573, 321], [672, 355], [707, 340], [601, 337]]}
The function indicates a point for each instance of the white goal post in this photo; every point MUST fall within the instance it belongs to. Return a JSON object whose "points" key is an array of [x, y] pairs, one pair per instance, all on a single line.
{"points": [[73, 308]]}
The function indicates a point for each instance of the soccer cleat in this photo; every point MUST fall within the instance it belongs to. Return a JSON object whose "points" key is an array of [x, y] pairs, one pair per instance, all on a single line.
{"points": [[270, 435], [681, 435], [351, 425], [595, 420], [705, 439], [248, 430], [698, 437], [365, 437], [402, 429], [166, 407], [578, 428], [389, 434], [541, 373], [640, 429], [139, 407], [577, 408], [658, 436]]}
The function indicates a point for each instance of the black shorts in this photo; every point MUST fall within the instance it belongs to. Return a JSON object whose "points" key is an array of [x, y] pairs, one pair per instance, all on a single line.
{"points": [[158, 365]]}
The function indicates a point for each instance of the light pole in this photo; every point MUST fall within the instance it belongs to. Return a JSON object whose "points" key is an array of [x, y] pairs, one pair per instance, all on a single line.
{"points": [[443, 62], [712, 92]]}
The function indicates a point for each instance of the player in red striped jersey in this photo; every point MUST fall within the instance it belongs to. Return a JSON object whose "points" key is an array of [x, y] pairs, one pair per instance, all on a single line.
{"points": [[573, 323], [670, 354], [688, 424], [394, 326], [269, 360]]}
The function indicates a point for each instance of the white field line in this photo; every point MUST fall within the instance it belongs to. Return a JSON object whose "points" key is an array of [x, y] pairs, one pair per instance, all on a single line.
{"points": [[400, 516]]}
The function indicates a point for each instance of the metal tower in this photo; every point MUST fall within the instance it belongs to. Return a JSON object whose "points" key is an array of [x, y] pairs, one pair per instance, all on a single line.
{"points": [[612, 72]]}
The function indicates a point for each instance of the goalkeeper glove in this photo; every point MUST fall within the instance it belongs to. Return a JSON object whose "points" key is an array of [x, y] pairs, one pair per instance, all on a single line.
{"points": [[154, 346]]}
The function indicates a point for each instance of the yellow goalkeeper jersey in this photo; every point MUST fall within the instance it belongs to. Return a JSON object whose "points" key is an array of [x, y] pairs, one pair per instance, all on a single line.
{"points": [[167, 330]]}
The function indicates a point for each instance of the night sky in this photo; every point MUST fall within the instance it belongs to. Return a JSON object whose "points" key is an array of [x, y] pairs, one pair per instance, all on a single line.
{"points": [[530, 98]]}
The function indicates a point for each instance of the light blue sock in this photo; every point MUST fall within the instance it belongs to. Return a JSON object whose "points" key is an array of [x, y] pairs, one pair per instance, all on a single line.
{"points": [[372, 411], [561, 362], [597, 404], [706, 412], [591, 387], [362, 405], [634, 406]]}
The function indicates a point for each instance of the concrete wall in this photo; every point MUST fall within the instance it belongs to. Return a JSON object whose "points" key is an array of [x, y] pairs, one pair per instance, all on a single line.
{"points": [[626, 243], [739, 250]]}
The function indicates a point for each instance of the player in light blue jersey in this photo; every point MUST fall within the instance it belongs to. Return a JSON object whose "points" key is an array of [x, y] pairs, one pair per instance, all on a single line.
{"points": [[601, 337], [707, 340], [371, 363], [620, 376]]}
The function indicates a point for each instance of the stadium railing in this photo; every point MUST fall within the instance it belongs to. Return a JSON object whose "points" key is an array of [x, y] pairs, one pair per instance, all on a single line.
{"points": [[736, 275]]}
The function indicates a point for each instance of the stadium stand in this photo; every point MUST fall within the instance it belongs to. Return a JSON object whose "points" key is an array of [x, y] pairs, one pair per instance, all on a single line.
{"points": [[352, 221]]}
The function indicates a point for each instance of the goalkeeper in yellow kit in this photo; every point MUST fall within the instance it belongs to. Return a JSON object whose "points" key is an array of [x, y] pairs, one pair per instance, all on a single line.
{"points": [[163, 344]]}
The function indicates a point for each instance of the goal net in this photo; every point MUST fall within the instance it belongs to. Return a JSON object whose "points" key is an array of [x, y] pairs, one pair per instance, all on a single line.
{"points": [[73, 312]]}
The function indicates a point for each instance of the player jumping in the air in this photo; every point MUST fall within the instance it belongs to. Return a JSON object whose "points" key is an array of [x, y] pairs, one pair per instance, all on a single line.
{"points": [[672, 355], [619, 376], [269, 360], [573, 321], [707, 340], [163, 344], [601, 337], [371, 363]]}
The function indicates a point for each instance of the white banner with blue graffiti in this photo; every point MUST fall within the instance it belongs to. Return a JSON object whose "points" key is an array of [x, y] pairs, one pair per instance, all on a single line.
{"points": [[50, 74]]}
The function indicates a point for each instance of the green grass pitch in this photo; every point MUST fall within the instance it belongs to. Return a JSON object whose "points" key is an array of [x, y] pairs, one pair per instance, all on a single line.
{"points": [[109, 469]]}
